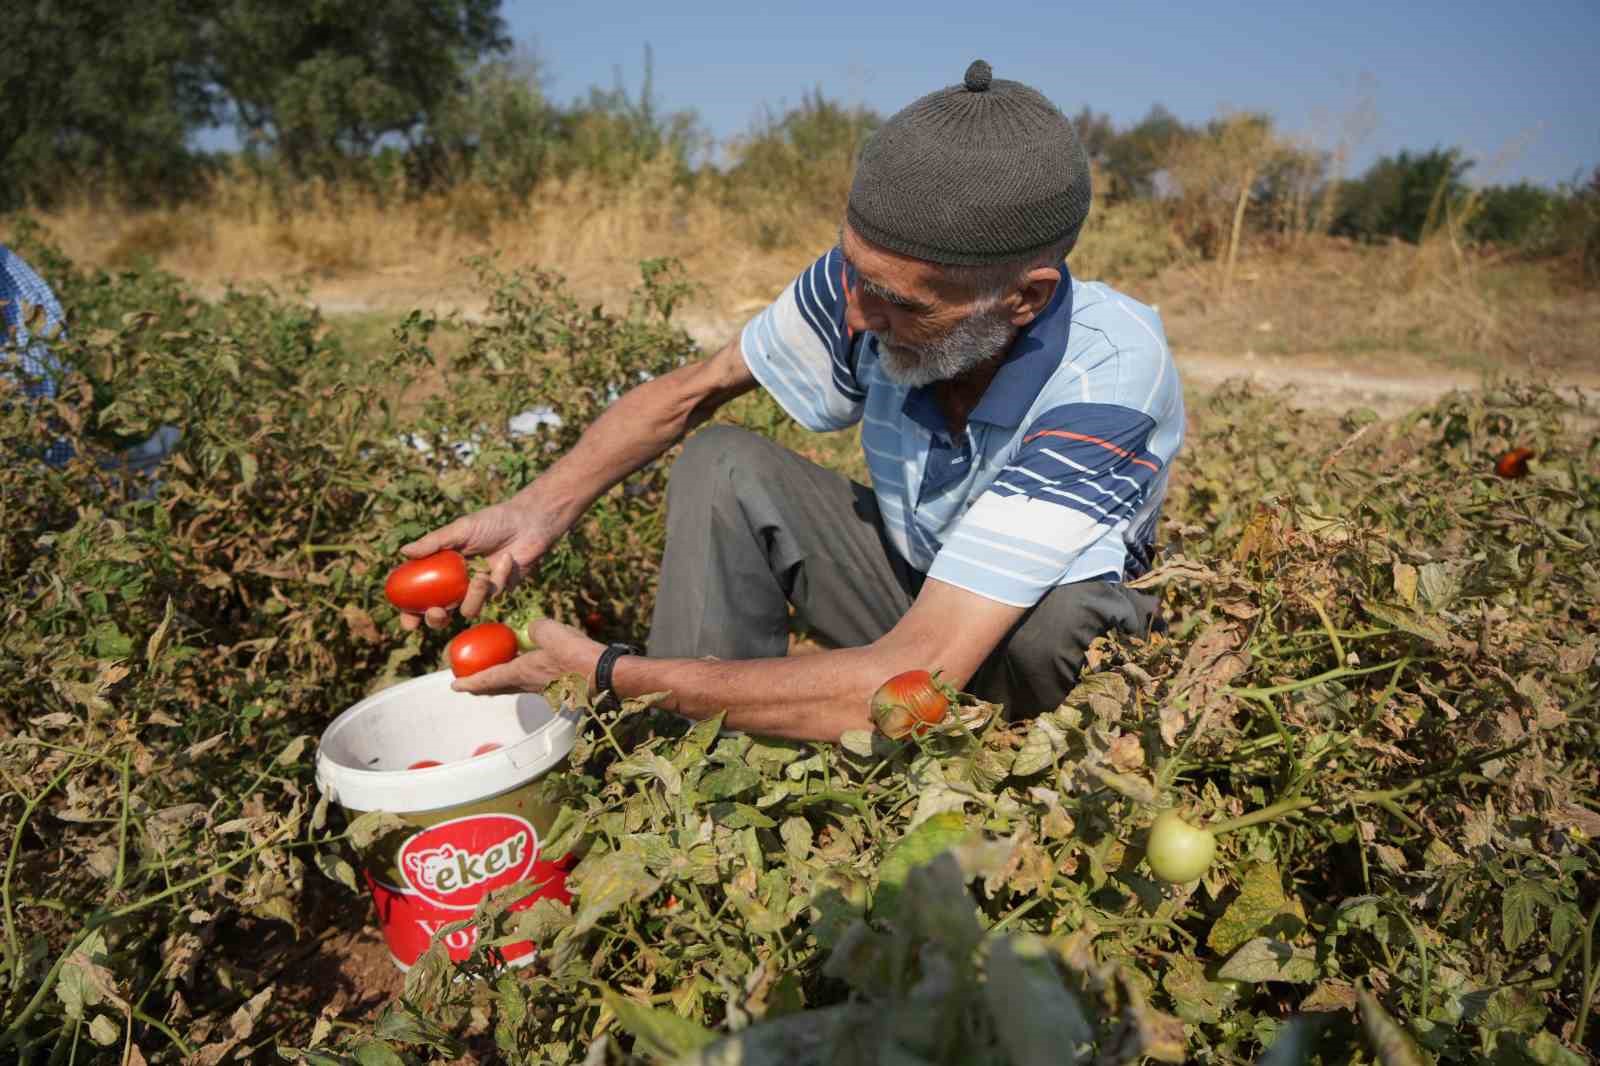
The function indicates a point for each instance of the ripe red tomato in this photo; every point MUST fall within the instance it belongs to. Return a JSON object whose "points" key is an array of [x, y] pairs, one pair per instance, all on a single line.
{"points": [[484, 645], [909, 703], [1514, 463], [438, 580], [484, 749], [423, 764]]}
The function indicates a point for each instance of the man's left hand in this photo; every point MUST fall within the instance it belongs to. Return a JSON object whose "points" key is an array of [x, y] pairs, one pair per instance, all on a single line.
{"points": [[558, 650]]}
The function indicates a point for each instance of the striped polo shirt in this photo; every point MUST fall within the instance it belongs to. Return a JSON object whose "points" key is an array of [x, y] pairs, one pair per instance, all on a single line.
{"points": [[1061, 471]]}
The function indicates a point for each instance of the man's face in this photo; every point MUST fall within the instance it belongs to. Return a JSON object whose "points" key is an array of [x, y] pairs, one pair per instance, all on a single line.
{"points": [[928, 329]]}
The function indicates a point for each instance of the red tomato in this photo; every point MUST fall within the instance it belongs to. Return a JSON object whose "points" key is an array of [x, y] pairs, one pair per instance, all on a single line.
{"points": [[484, 749], [1514, 463], [909, 703], [438, 580], [484, 645], [423, 764]]}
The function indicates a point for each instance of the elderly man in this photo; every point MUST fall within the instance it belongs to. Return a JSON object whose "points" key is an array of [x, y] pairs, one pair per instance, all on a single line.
{"points": [[1019, 427]]}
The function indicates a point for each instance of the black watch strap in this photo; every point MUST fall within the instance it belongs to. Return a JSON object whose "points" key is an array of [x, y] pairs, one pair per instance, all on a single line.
{"points": [[605, 695]]}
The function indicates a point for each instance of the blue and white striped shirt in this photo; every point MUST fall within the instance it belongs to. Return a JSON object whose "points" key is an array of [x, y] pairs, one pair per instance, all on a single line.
{"points": [[1063, 466], [21, 290]]}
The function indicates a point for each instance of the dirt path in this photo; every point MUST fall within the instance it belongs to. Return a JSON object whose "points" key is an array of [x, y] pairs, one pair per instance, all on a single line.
{"points": [[1316, 381]]}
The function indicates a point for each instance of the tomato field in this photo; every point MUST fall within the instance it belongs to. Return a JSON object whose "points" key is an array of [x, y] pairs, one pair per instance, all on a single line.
{"points": [[1377, 685]]}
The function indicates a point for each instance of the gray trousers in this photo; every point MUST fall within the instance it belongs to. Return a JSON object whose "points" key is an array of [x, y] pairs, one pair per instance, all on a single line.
{"points": [[753, 528]]}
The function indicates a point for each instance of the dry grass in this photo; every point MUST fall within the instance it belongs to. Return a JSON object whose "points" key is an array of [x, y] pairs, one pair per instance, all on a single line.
{"points": [[1379, 307], [1308, 298], [378, 251]]}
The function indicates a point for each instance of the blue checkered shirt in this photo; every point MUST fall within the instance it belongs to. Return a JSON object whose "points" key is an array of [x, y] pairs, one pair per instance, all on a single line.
{"points": [[21, 290]]}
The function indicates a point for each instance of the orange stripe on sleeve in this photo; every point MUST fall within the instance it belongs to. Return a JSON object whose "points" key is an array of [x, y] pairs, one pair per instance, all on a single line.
{"points": [[1107, 445]]}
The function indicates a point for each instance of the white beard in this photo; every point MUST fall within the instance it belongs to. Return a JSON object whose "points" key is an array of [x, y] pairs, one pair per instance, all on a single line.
{"points": [[972, 342]]}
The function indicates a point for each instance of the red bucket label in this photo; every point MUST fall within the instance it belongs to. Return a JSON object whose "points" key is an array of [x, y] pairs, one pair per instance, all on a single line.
{"points": [[447, 869]]}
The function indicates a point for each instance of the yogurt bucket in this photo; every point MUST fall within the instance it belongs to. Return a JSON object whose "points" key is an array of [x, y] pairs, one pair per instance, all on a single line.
{"points": [[473, 823]]}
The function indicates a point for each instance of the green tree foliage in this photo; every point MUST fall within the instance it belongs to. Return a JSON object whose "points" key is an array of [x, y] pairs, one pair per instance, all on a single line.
{"points": [[1403, 195], [319, 83], [100, 93]]}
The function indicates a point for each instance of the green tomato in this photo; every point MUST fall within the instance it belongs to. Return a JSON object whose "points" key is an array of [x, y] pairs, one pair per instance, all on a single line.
{"points": [[1177, 851]]}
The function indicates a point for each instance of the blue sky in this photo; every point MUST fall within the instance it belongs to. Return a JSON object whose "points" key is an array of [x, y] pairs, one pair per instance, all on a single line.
{"points": [[1515, 85]]}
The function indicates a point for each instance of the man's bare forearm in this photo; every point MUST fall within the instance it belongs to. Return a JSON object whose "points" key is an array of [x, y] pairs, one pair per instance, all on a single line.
{"points": [[636, 429], [804, 697]]}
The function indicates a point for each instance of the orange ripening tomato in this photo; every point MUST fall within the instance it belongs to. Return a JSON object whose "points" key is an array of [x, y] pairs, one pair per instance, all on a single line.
{"points": [[423, 764], [1514, 463], [437, 580], [484, 749], [909, 703], [484, 645]]}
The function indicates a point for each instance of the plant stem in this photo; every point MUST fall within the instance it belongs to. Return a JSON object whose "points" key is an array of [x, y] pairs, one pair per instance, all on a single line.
{"points": [[165, 1030], [29, 806], [1300, 803], [1327, 627], [1591, 976], [1264, 694], [122, 831]]}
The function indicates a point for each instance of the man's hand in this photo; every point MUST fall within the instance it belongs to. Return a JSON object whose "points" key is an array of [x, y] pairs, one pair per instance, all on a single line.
{"points": [[558, 650], [513, 535]]}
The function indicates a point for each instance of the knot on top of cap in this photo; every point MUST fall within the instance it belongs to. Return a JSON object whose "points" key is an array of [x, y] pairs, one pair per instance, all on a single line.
{"points": [[978, 76]]}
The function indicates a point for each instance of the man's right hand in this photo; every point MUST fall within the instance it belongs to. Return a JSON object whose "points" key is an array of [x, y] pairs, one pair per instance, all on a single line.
{"points": [[512, 535]]}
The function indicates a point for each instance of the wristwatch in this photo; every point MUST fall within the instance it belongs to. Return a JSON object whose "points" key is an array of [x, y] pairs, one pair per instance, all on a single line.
{"points": [[606, 696]]}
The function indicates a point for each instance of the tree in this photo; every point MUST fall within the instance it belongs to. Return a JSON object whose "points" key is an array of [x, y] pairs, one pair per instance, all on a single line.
{"points": [[319, 83], [101, 91], [1403, 195]]}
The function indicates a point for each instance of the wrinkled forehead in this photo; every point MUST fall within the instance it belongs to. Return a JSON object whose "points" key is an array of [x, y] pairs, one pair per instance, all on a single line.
{"points": [[916, 279]]}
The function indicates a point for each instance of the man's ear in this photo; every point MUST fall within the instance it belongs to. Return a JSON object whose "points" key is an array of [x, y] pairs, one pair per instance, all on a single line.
{"points": [[1033, 294]]}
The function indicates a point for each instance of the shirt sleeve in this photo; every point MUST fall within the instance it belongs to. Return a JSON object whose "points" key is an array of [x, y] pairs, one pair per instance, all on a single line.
{"points": [[22, 290], [1057, 513], [800, 350]]}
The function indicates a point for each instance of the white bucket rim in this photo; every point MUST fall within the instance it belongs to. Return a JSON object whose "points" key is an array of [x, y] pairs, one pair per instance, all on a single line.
{"points": [[450, 784]]}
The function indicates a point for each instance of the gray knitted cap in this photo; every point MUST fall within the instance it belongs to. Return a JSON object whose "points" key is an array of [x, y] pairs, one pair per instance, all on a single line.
{"points": [[982, 172]]}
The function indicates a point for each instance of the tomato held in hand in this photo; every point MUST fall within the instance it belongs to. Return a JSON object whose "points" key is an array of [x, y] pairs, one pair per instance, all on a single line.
{"points": [[1514, 463], [484, 645], [909, 703], [438, 580]]}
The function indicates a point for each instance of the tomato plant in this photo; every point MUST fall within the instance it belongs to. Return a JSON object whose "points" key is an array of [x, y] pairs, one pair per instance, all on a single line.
{"points": [[484, 645], [910, 702]]}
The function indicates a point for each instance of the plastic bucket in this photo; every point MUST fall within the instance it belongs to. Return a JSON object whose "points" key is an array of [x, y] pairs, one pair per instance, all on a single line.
{"points": [[473, 823]]}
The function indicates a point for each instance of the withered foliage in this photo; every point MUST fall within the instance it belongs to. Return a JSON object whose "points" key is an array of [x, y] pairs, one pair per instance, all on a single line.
{"points": [[1366, 632]]}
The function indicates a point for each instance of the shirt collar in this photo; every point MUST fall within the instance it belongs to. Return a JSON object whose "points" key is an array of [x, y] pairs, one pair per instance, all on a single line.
{"points": [[1034, 355]]}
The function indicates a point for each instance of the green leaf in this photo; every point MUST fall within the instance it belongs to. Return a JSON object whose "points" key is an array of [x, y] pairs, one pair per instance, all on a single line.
{"points": [[728, 781], [660, 1033], [607, 883], [1265, 959], [1519, 911], [1038, 1021], [1260, 904], [377, 1053], [915, 848]]}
